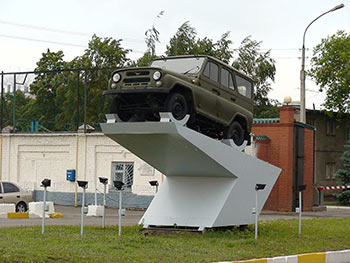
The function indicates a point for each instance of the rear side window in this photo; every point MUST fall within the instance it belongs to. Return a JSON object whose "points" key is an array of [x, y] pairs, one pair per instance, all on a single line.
{"points": [[10, 188], [211, 71], [0, 188], [244, 87]]}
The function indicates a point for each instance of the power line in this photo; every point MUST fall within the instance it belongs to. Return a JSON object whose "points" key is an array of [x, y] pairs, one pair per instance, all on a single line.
{"points": [[41, 40], [44, 28]]}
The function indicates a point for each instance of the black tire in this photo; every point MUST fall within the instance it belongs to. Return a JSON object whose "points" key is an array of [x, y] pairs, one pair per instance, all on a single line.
{"points": [[235, 132], [21, 207], [115, 109], [176, 104]]}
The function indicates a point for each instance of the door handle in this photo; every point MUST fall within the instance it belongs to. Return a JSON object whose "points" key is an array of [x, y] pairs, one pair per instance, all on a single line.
{"points": [[216, 91], [233, 99], [0, 197]]}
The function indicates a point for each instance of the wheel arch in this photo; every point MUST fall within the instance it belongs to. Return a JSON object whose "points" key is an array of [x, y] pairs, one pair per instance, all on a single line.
{"points": [[187, 92]]}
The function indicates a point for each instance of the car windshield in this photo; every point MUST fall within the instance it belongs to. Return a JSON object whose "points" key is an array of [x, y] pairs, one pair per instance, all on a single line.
{"points": [[180, 65]]}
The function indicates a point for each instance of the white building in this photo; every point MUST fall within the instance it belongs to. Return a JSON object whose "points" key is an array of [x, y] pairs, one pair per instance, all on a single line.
{"points": [[29, 158]]}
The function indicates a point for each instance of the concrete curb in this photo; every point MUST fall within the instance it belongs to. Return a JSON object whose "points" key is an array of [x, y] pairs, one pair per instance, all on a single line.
{"points": [[342, 256]]}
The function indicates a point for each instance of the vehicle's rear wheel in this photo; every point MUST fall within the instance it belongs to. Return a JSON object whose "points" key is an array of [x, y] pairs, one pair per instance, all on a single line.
{"points": [[176, 104], [21, 207], [235, 132], [116, 108]]}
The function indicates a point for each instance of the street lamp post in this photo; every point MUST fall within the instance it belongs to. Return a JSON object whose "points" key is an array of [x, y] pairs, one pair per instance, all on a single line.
{"points": [[258, 187], [302, 71]]}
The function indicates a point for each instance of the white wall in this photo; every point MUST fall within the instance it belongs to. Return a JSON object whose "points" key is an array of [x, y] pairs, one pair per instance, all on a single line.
{"points": [[29, 158]]}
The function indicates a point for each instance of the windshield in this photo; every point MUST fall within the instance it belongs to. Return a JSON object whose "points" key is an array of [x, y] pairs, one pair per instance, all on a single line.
{"points": [[180, 65]]}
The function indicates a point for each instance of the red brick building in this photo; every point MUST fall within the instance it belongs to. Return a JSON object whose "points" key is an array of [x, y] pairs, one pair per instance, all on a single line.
{"points": [[290, 146]]}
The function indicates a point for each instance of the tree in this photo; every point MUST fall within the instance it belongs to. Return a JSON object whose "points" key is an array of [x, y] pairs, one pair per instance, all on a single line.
{"points": [[344, 176], [261, 68], [186, 42], [330, 68], [46, 107], [59, 96], [22, 115], [250, 60]]}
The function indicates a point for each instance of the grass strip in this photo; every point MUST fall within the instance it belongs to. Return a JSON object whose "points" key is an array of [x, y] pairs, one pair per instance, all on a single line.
{"points": [[276, 238]]}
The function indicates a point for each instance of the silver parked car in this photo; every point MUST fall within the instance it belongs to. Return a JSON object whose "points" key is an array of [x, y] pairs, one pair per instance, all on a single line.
{"points": [[12, 193]]}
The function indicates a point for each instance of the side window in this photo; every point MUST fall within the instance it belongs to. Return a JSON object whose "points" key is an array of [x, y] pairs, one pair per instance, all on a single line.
{"points": [[211, 71], [10, 188], [0, 189], [244, 86], [226, 79]]}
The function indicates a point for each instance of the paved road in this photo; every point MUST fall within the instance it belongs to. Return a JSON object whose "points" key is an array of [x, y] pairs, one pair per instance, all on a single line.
{"points": [[72, 217]]}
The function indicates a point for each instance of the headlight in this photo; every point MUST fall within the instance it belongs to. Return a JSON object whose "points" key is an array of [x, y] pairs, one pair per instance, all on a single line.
{"points": [[157, 75], [116, 77]]}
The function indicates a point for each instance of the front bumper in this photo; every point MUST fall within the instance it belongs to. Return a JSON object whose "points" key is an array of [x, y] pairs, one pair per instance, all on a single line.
{"points": [[135, 91]]}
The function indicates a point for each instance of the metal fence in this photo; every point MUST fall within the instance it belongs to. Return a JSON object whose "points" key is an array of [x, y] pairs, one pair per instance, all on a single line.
{"points": [[54, 101]]}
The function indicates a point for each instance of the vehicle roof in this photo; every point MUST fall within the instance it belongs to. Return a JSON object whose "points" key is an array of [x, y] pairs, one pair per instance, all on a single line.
{"points": [[209, 57]]}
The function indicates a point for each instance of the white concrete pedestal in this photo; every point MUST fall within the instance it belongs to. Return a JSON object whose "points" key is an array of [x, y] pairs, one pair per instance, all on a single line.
{"points": [[208, 183]]}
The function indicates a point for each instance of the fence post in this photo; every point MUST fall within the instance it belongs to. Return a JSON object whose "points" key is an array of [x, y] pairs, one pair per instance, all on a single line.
{"points": [[14, 104], [2, 101]]}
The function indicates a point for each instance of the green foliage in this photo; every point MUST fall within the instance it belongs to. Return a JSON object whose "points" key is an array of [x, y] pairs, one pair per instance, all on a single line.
{"points": [[330, 68], [59, 97], [186, 42], [344, 176], [276, 238], [152, 36], [250, 60], [22, 105], [261, 68]]}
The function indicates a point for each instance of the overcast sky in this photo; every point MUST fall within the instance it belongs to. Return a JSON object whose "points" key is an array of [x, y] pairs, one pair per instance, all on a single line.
{"points": [[29, 27]]}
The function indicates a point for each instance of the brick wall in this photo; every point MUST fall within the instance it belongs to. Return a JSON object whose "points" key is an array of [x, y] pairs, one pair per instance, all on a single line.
{"points": [[278, 150]]}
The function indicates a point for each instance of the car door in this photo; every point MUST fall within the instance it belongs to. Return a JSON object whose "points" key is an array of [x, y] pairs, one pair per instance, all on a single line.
{"points": [[11, 193], [233, 98], [207, 94]]}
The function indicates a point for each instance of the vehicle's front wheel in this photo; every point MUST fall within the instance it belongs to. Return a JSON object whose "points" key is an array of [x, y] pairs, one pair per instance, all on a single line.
{"points": [[21, 207], [117, 108], [235, 132], [176, 104]]}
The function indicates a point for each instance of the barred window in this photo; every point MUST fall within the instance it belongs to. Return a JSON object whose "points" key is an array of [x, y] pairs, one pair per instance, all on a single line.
{"points": [[123, 171]]}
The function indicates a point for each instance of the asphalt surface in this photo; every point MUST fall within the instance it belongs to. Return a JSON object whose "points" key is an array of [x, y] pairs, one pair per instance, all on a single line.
{"points": [[72, 216]]}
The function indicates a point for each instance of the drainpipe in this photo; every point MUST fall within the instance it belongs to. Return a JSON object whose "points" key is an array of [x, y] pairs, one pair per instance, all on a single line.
{"points": [[1, 157], [76, 170]]}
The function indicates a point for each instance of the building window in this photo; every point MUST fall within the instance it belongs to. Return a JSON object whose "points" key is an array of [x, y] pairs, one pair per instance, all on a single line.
{"points": [[123, 171], [330, 128], [330, 170], [311, 122], [347, 133]]}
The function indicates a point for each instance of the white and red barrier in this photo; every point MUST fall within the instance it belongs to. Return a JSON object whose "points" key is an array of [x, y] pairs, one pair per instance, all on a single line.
{"points": [[322, 188]]}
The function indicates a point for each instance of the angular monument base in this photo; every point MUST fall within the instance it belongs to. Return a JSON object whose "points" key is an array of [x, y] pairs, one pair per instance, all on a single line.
{"points": [[208, 183]]}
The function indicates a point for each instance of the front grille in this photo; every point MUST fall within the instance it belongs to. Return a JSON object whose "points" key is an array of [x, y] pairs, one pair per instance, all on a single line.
{"points": [[137, 73], [136, 80]]}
